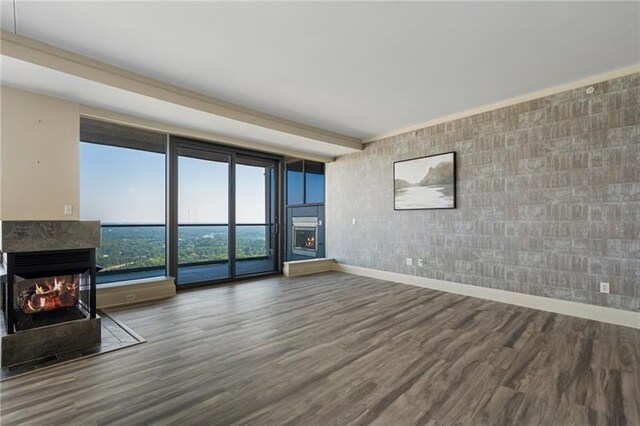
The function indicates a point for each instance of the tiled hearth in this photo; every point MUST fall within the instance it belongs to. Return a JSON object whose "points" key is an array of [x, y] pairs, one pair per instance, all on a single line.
{"points": [[114, 335]]}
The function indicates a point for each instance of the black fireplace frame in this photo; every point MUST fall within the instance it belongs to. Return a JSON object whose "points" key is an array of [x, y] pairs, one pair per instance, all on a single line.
{"points": [[61, 262]]}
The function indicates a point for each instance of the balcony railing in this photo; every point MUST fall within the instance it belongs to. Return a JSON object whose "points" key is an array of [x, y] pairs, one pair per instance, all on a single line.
{"points": [[139, 250]]}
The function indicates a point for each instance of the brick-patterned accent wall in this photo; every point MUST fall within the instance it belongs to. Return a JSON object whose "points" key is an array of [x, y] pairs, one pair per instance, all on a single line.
{"points": [[548, 197]]}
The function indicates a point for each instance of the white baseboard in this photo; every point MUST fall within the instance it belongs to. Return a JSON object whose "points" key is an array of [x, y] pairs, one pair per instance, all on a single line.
{"points": [[136, 291], [564, 307]]}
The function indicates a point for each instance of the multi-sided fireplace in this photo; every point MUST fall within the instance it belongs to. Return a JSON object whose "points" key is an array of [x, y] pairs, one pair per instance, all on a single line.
{"points": [[49, 288]]}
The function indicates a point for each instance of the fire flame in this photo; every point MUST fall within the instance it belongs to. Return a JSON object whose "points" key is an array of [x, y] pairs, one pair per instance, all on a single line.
{"points": [[57, 286], [47, 296], [310, 242]]}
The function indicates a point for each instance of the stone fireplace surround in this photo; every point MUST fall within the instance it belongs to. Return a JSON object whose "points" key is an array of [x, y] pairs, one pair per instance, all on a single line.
{"points": [[46, 236]]}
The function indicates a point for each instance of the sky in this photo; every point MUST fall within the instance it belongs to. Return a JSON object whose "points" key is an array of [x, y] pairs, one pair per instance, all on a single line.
{"points": [[119, 185]]}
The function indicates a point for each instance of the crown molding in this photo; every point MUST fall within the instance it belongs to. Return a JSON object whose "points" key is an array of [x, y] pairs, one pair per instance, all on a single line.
{"points": [[39, 53], [511, 101]]}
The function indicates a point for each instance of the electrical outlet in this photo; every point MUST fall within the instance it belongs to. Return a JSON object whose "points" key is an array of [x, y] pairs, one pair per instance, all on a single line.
{"points": [[68, 209], [604, 288], [130, 297], [353, 221], [409, 261], [420, 263]]}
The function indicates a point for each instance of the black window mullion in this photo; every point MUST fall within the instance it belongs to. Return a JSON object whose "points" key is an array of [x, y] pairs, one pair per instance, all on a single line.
{"points": [[172, 209], [232, 216], [304, 181]]}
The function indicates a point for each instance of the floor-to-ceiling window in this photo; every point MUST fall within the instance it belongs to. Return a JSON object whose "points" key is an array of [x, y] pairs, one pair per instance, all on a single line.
{"points": [[216, 217], [227, 205], [255, 216], [122, 183], [203, 216]]}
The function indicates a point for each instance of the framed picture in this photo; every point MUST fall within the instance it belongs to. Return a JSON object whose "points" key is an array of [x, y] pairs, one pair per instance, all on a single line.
{"points": [[425, 183]]}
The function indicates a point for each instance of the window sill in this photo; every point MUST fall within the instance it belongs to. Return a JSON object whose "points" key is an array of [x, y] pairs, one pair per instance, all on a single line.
{"points": [[134, 291], [134, 282]]}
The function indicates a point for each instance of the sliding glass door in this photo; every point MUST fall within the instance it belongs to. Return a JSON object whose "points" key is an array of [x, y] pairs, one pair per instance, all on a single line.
{"points": [[256, 245], [203, 216], [227, 210]]}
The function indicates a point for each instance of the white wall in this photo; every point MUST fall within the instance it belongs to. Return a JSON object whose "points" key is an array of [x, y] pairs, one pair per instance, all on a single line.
{"points": [[39, 156]]}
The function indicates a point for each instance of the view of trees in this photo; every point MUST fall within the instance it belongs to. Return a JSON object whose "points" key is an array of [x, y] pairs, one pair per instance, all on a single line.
{"points": [[144, 246]]}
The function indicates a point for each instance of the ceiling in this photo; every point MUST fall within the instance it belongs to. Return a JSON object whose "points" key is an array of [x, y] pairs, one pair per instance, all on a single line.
{"points": [[31, 77], [360, 69]]}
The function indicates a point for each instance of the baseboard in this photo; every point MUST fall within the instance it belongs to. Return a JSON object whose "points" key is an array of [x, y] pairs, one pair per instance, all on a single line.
{"points": [[296, 268], [564, 307], [130, 292]]}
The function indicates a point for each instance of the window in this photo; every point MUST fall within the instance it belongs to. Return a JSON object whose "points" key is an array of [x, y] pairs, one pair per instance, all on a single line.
{"points": [[203, 217], [295, 183], [305, 182], [314, 182], [122, 183], [221, 222]]}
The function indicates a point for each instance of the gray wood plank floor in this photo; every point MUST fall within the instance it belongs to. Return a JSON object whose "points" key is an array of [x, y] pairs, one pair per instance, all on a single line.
{"points": [[341, 349]]}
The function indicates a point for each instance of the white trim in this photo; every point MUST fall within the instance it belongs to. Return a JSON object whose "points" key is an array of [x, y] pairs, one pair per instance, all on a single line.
{"points": [[512, 101], [46, 55], [579, 310]]}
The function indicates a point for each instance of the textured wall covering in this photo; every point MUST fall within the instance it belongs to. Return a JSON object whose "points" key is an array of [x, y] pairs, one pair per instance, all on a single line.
{"points": [[548, 199]]}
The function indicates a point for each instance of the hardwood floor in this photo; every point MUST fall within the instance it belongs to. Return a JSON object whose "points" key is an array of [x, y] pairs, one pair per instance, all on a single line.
{"points": [[341, 349]]}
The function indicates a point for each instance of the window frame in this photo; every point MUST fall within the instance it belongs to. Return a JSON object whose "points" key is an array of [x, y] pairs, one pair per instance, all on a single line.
{"points": [[104, 132]]}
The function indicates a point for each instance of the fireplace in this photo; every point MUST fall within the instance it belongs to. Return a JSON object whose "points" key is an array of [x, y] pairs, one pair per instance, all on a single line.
{"points": [[48, 288], [304, 236], [48, 273]]}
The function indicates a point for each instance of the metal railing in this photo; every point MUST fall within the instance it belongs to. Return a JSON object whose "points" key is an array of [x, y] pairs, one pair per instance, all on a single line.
{"points": [[133, 247]]}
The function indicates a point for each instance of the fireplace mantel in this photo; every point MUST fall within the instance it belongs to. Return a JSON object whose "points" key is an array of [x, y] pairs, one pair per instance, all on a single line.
{"points": [[48, 235]]}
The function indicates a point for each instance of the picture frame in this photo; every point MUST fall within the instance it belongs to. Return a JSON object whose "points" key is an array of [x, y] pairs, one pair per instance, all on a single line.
{"points": [[425, 183]]}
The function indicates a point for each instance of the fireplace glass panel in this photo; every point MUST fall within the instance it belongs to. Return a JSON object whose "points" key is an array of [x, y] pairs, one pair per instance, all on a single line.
{"points": [[48, 300], [304, 236], [305, 239]]}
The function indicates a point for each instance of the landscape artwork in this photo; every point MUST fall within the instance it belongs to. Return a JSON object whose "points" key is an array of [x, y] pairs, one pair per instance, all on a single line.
{"points": [[425, 183]]}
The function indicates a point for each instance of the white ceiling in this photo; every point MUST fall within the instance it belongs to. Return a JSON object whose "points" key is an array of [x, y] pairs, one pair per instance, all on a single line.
{"points": [[358, 68], [28, 76]]}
